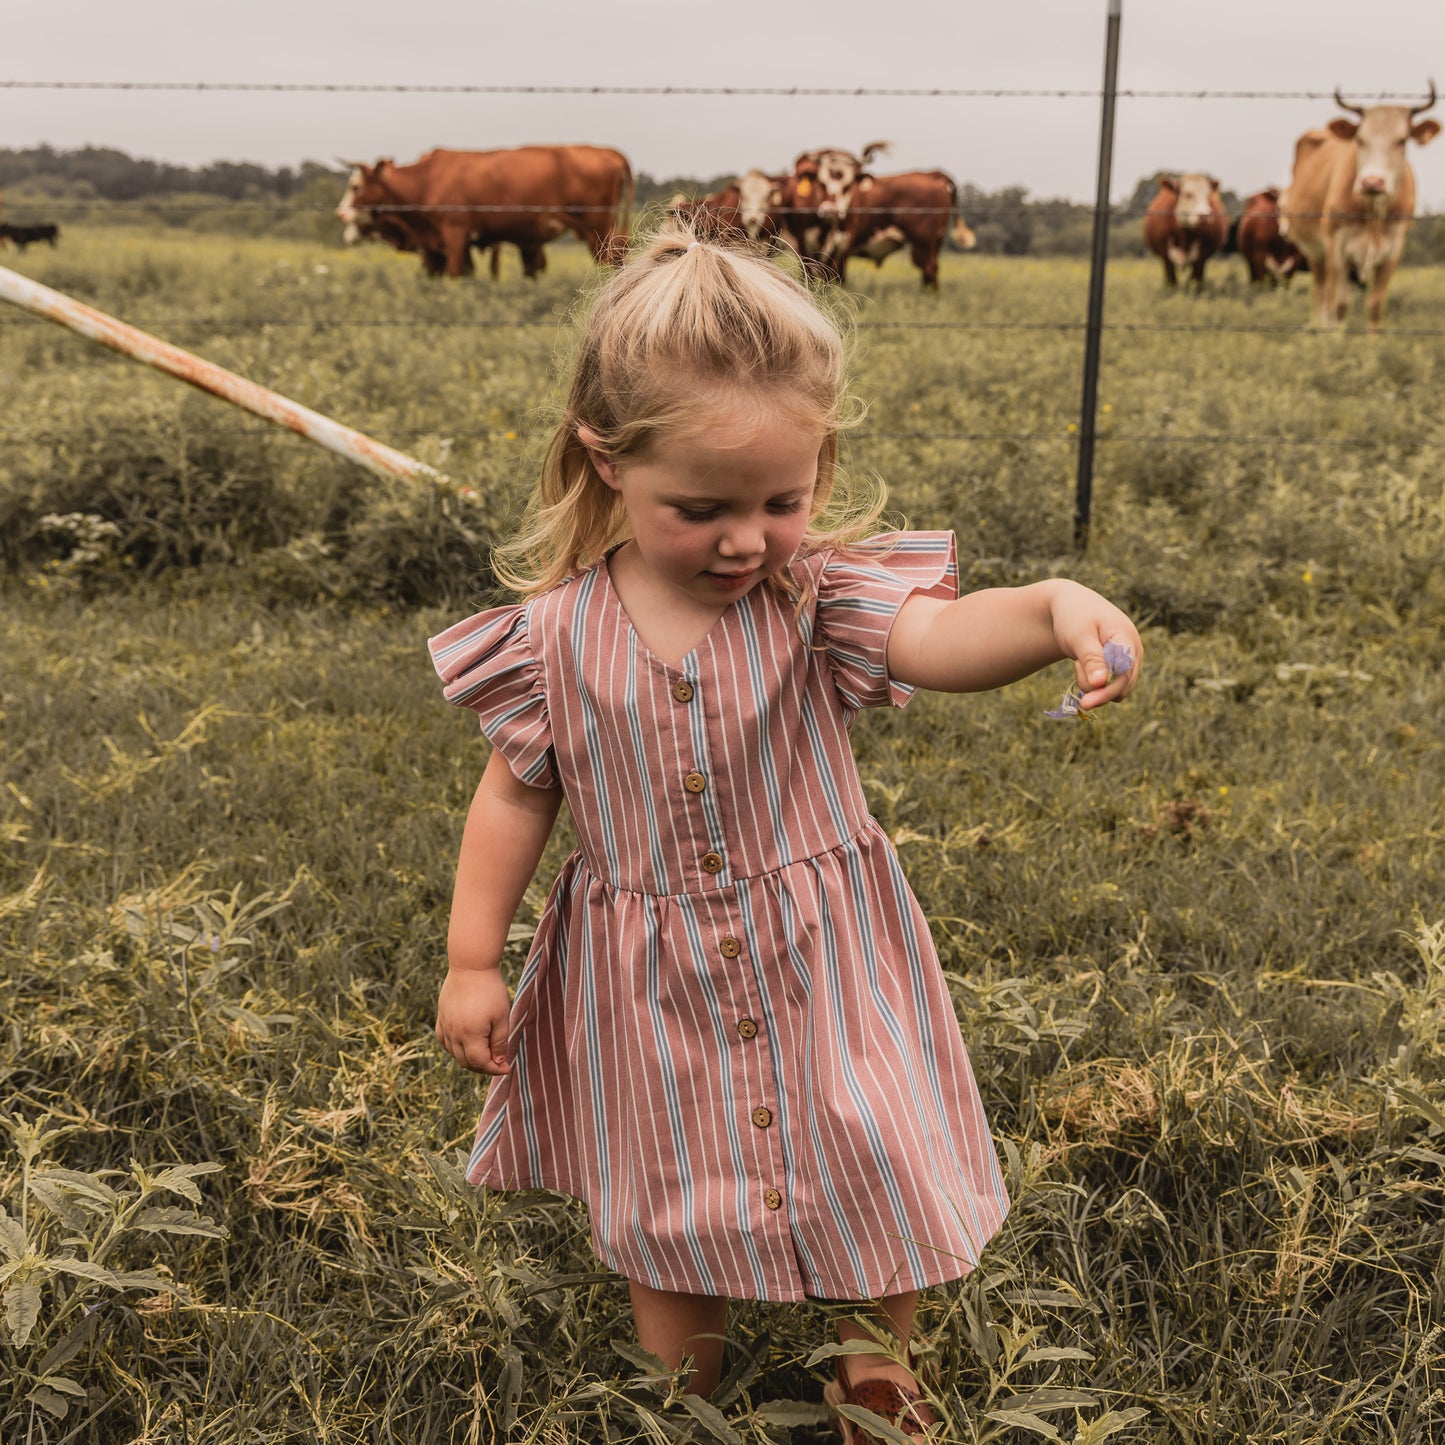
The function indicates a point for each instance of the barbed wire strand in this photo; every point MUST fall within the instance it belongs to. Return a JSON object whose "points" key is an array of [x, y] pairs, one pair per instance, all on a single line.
{"points": [[861, 91], [1067, 436], [327, 323]]}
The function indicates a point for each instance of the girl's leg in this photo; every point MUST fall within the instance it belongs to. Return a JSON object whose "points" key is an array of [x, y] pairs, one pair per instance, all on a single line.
{"points": [[893, 1313], [672, 1325]]}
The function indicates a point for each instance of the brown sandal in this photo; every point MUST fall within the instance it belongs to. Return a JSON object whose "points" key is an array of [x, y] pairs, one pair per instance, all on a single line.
{"points": [[903, 1407]]}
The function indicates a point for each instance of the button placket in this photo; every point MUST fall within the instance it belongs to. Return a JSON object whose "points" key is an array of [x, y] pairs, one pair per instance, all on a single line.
{"points": [[696, 781]]}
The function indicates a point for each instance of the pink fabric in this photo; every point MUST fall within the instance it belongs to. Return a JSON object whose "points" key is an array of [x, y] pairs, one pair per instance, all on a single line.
{"points": [[748, 946]]}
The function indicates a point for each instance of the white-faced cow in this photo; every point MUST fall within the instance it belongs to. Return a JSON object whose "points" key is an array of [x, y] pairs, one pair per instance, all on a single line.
{"points": [[447, 201], [1350, 201], [743, 209], [1185, 224], [811, 205], [913, 209]]}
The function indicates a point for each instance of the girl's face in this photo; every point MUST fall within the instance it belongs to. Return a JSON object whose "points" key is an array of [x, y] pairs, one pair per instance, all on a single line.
{"points": [[716, 509]]}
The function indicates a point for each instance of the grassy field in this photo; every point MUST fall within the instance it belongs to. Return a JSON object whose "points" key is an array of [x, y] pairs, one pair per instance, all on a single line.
{"points": [[1197, 947]]}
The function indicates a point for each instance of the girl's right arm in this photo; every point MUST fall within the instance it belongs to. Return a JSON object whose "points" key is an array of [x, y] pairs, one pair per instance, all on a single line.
{"points": [[507, 828]]}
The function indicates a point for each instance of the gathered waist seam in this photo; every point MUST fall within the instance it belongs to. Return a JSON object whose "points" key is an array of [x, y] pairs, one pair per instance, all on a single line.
{"points": [[869, 823]]}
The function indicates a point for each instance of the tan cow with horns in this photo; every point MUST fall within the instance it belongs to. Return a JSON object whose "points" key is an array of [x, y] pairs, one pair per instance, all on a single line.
{"points": [[1351, 199]]}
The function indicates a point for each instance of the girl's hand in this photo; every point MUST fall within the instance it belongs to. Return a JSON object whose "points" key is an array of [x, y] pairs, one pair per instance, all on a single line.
{"points": [[474, 1016], [1084, 623]]}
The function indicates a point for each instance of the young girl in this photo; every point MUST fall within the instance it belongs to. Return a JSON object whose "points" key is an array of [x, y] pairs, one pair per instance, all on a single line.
{"points": [[732, 1038]]}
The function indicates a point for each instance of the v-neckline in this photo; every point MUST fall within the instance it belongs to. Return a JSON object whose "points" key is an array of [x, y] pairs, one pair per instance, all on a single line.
{"points": [[605, 564]]}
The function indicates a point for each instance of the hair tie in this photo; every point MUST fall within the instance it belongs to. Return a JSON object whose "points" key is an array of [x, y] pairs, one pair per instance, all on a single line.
{"points": [[691, 244]]}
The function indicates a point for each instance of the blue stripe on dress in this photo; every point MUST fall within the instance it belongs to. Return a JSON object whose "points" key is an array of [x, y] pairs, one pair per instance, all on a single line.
{"points": [[782, 1106], [764, 704], [525, 984], [824, 771], [856, 1093], [883, 1010], [644, 775], [580, 629], [804, 975], [904, 901], [687, 910], [592, 1043], [639, 1237], [674, 1106]]}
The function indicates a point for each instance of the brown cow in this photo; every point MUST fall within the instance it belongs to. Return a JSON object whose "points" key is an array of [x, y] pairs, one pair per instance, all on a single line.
{"points": [[811, 205], [1185, 224], [912, 208], [1350, 202], [1270, 257], [448, 201], [744, 208]]}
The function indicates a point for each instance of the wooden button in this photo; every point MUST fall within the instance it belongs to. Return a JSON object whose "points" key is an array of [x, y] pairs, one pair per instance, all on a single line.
{"points": [[762, 1117], [712, 863], [747, 1028], [729, 947], [772, 1199], [694, 782], [682, 690]]}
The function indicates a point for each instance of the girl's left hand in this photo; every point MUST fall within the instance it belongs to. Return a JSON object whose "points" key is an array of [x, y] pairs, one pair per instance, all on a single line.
{"points": [[1085, 625]]}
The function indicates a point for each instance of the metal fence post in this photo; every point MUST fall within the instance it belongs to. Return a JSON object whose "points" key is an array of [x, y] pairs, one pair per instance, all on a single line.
{"points": [[1084, 487]]}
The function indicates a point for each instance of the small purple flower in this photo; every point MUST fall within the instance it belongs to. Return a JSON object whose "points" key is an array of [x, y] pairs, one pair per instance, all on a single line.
{"points": [[1118, 658], [1068, 707]]}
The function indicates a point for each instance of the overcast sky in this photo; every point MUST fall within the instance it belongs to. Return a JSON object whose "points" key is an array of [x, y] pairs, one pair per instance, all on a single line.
{"points": [[1046, 145]]}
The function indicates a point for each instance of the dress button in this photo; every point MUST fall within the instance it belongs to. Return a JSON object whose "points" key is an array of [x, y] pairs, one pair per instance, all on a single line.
{"points": [[772, 1199], [762, 1117], [694, 782], [682, 690], [729, 947], [712, 862], [747, 1028]]}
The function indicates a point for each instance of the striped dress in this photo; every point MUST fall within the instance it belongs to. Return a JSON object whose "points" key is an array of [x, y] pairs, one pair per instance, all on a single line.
{"points": [[732, 1037]]}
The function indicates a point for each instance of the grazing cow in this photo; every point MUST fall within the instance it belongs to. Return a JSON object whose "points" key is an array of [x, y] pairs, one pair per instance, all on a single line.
{"points": [[24, 236], [1185, 224], [1256, 236], [1350, 202], [811, 205], [911, 209], [447, 201]]}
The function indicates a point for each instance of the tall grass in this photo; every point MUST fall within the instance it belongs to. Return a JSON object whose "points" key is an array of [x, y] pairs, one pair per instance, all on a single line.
{"points": [[1196, 947]]}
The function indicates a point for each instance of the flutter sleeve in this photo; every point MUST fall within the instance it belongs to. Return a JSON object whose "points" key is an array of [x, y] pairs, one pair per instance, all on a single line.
{"points": [[859, 594], [486, 663]]}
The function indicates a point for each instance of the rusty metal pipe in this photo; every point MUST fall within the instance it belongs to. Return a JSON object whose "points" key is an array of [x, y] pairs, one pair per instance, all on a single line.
{"points": [[184, 366]]}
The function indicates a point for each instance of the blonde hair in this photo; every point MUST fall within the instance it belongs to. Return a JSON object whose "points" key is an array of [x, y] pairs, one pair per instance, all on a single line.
{"points": [[688, 314]]}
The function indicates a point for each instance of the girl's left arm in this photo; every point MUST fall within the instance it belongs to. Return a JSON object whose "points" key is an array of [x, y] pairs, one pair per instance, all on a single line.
{"points": [[996, 636]]}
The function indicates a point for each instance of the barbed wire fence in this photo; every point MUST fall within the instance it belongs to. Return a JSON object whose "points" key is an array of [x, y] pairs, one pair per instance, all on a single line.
{"points": [[1102, 214]]}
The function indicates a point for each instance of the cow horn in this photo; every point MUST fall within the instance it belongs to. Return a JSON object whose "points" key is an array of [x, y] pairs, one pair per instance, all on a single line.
{"points": [[1345, 105], [1417, 109], [876, 148]]}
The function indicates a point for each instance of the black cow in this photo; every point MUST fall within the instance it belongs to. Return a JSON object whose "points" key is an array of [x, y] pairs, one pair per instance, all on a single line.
{"points": [[24, 236]]}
